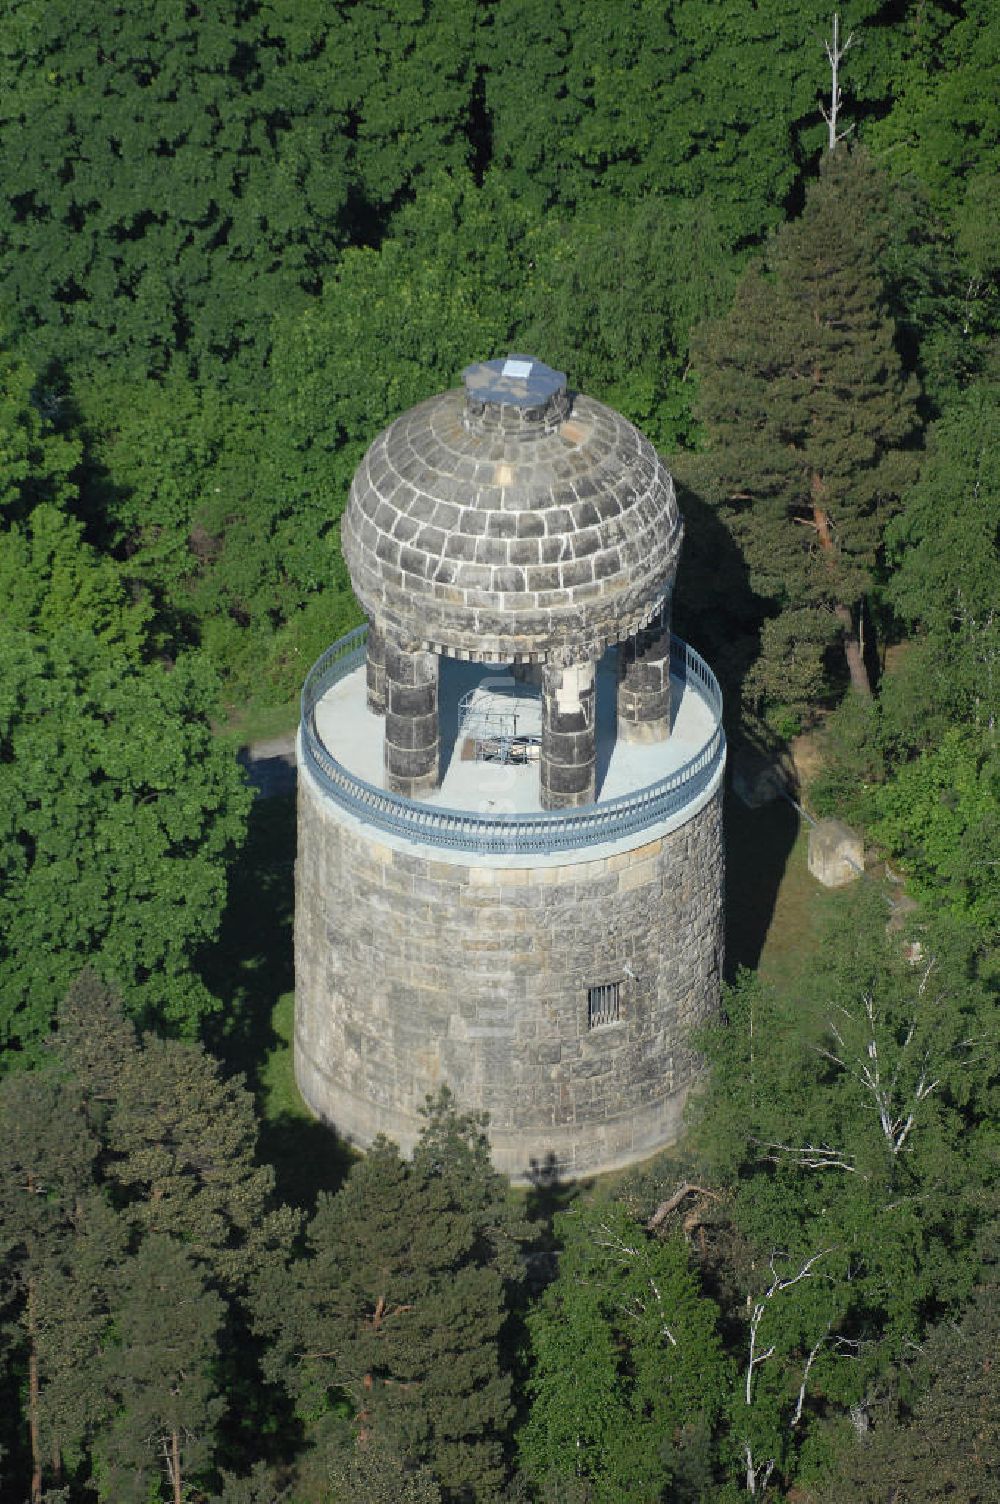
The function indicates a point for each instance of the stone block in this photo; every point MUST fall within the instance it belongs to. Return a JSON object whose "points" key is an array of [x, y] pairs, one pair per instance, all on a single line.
{"points": [[836, 854]]}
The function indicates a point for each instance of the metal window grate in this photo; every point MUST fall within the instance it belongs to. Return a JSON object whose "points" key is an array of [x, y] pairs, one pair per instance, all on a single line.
{"points": [[603, 1004]]}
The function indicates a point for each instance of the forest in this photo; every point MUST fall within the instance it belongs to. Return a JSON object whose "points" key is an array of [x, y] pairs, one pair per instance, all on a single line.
{"points": [[236, 239]]}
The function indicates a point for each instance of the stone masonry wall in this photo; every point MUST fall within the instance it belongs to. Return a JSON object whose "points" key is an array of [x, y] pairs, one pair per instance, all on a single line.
{"points": [[411, 972]]}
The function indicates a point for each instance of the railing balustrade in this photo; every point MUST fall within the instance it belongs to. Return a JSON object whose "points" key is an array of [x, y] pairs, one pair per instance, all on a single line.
{"points": [[508, 834]]}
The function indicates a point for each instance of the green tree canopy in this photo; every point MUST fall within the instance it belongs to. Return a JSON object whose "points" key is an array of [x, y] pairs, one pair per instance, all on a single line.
{"points": [[399, 1304], [808, 414], [159, 1364], [946, 1443], [121, 811], [148, 205], [849, 1114], [47, 1218], [615, 102], [627, 1373], [944, 548]]}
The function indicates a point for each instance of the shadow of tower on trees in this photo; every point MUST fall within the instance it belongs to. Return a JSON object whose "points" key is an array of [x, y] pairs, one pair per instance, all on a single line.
{"points": [[719, 613]]}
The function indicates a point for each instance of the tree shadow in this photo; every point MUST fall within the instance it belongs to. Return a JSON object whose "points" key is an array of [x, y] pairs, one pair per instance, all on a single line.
{"points": [[547, 1193], [250, 968], [308, 1157], [250, 965]]}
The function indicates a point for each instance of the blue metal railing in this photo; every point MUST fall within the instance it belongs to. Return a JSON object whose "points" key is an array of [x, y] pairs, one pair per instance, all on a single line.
{"points": [[560, 830]]}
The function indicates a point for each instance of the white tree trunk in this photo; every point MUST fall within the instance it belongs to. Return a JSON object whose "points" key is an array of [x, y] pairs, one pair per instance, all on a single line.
{"points": [[835, 53]]}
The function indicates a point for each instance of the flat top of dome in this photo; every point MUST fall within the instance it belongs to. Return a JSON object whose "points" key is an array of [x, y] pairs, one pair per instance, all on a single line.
{"points": [[516, 381]]}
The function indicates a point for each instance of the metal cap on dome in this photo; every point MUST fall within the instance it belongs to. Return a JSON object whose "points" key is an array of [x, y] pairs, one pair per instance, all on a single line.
{"points": [[519, 397], [517, 381]]}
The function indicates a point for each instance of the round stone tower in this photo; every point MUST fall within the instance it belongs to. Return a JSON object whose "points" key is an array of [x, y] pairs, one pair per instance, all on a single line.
{"points": [[509, 873]]}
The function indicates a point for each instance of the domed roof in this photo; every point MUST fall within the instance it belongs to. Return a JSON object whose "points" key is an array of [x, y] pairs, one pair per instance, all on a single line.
{"points": [[512, 520]]}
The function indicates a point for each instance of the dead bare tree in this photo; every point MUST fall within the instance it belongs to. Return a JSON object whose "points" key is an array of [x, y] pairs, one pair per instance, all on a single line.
{"points": [[758, 1472], [895, 1102], [807, 1156], [835, 53], [778, 1283], [627, 1254]]}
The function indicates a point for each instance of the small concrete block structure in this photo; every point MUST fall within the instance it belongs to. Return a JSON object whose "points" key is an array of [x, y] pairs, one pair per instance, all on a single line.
{"points": [[836, 853], [542, 933]]}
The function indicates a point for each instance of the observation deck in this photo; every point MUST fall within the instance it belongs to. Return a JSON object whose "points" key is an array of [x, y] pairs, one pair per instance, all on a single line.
{"points": [[491, 812]]}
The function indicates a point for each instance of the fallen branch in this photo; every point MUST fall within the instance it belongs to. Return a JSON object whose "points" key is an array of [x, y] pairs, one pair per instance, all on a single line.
{"points": [[673, 1202]]}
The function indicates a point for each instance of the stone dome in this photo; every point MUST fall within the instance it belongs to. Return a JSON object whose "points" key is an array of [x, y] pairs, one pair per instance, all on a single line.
{"points": [[512, 520]]}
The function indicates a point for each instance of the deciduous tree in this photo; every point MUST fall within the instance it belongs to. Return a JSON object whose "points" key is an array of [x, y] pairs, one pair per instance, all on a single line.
{"points": [[121, 812], [627, 1373]]}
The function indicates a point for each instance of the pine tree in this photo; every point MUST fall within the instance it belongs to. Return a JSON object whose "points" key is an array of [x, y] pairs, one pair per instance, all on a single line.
{"points": [[56, 1245], [949, 1445], [399, 1304], [183, 1144], [159, 1374], [808, 414], [378, 1477], [173, 1148]]}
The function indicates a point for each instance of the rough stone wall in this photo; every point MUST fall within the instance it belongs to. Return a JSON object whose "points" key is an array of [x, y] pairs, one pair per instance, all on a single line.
{"points": [[496, 547], [411, 972]]}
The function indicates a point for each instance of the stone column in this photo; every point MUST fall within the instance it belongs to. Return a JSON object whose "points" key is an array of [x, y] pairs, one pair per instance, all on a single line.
{"points": [[375, 668], [411, 719], [569, 747], [644, 684]]}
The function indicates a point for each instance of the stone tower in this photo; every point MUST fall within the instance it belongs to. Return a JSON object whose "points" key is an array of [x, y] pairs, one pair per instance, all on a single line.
{"points": [[509, 872]]}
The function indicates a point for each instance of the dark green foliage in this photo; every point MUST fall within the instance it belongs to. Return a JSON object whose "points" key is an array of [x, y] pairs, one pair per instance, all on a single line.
{"points": [[404, 73], [807, 409], [398, 1306], [172, 178], [38, 459], [182, 1141], [945, 551], [56, 1248], [148, 204], [158, 1367], [946, 1444], [133, 1220], [602, 308], [941, 128], [611, 103]]}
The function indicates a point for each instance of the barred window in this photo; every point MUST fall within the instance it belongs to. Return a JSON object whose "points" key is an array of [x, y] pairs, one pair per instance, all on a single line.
{"points": [[603, 1004]]}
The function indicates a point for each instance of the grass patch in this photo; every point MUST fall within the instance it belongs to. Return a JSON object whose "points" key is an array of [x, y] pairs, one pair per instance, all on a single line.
{"points": [[775, 908], [244, 724], [278, 1092]]}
